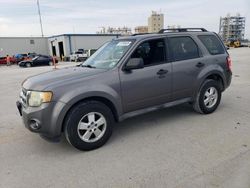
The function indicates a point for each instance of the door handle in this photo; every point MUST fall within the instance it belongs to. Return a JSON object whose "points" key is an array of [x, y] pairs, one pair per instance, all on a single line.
{"points": [[200, 64], [162, 72]]}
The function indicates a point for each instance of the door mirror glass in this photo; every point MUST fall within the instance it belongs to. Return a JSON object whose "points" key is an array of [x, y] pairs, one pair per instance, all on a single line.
{"points": [[134, 63]]}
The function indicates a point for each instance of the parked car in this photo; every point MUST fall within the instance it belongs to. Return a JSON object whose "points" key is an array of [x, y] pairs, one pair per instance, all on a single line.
{"points": [[78, 56], [20, 57], [124, 78], [4, 61], [37, 61], [32, 55]]}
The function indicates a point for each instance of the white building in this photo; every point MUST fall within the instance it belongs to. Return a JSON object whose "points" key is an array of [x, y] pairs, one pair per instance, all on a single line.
{"points": [[64, 45], [59, 45], [21, 45]]}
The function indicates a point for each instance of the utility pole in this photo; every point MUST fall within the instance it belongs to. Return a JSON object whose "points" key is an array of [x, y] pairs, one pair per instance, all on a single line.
{"points": [[40, 18]]}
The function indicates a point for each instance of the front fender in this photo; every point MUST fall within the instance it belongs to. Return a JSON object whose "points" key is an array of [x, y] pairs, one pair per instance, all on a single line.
{"points": [[73, 96]]}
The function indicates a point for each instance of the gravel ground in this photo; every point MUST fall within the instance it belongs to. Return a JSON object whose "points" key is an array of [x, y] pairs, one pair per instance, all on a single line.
{"points": [[174, 147]]}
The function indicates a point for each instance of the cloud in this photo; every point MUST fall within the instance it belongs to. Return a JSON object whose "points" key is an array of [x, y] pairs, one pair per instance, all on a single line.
{"points": [[4, 22], [60, 16]]}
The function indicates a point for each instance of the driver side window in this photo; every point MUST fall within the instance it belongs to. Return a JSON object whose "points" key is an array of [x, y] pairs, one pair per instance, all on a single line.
{"points": [[152, 52], [40, 58]]}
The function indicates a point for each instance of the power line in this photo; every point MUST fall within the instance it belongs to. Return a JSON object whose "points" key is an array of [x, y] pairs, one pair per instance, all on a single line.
{"points": [[40, 18]]}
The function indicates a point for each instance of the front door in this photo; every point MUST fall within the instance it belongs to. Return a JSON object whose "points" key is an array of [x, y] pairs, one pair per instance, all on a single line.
{"points": [[41, 61], [150, 85]]}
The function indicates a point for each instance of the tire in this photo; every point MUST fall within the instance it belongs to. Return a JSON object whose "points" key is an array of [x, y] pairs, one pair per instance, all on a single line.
{"points": [[28, 65], [208, 98], [80, 130]]}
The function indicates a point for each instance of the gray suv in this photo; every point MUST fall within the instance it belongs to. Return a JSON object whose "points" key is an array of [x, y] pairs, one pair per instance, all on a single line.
{"points": [[126, 77]]}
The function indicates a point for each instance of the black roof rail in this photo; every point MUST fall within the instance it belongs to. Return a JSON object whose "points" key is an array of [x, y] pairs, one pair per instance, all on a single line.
{"points": [[182, 30], [140, 34]]}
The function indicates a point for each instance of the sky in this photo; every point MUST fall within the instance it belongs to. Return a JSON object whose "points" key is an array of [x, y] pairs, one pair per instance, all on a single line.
{"points": [[20, 17]]}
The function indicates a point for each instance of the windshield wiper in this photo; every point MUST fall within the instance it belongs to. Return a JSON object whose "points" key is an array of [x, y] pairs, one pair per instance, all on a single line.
{"points": [[89, 66]]}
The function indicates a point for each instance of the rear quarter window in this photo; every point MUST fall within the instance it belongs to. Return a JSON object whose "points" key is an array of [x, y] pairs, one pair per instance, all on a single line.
{"points": [[212, 44]]}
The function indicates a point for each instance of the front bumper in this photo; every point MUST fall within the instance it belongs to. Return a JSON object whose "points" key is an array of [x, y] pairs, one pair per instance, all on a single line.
{"points": [[44, 120]]}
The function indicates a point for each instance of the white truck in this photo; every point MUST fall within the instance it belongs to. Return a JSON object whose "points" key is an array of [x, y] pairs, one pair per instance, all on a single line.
{"points": [[78, 56], [81, 55]]}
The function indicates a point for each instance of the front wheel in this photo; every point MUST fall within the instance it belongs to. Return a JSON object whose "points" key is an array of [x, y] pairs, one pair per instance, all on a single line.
{"points": [[28, 65], [89, 125], [208, 98]]}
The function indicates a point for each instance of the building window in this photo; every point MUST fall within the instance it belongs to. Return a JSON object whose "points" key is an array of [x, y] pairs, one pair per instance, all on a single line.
{"points": [[32, 41]]}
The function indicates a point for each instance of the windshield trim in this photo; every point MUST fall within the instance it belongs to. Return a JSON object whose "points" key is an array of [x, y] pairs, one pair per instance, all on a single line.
{"points": [[34, 58]]}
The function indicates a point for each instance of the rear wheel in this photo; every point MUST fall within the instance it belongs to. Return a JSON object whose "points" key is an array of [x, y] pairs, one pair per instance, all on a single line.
{"points": [[89, 125], [208, 98]]}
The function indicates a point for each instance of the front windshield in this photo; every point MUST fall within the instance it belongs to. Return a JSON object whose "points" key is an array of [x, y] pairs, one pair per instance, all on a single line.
{"points": [[108, 55]]}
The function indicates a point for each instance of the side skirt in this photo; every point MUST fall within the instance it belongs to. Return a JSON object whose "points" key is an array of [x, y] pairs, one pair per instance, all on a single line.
{"points": [[154, 108]]}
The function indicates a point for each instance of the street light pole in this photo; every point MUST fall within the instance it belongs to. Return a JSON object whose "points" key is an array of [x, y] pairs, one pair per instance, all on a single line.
{"points": [[40, 18]]}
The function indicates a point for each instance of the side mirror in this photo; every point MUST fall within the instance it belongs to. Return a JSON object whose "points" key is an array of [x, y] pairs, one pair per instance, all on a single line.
{"points": [[134, 63]]}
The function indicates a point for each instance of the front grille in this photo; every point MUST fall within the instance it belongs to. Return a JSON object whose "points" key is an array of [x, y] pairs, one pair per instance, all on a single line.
{"points": [[23, 97]]}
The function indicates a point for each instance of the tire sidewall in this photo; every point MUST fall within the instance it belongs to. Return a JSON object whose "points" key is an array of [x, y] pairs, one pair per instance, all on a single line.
{"points": [[74, 118], [28, 65], [206, 85]]}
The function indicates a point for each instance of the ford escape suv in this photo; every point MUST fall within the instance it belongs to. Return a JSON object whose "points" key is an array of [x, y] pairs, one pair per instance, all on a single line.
{"points": [[126, 77]]}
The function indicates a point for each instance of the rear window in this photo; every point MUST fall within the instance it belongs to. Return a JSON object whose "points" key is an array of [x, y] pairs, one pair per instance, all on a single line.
{"points": [[212, 44]]}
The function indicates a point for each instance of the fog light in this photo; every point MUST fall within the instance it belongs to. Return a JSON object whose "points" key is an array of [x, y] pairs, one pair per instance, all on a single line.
{"points": [[34, 125]]}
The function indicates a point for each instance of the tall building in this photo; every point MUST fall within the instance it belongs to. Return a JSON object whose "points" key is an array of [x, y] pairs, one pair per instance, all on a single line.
{"points": [[155, 22], [141, 29], [232, 27]]}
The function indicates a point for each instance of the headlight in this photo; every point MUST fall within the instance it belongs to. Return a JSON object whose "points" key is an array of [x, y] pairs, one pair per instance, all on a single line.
{"points": [[36, 98]]}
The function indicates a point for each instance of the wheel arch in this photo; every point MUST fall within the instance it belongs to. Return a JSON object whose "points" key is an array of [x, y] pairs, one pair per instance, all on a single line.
{"points": [[101, 99], [217, 77], [213, 75]]}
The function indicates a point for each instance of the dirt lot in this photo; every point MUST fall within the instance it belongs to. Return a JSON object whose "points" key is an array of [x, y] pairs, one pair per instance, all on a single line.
{"points": [[175, 147]]}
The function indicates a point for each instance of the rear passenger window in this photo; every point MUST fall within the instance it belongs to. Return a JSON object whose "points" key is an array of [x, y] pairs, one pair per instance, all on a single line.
{"points": [[212, 44], [183, 48]]}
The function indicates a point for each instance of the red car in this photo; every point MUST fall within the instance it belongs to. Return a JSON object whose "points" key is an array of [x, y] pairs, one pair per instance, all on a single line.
{"points": [[3, 60]]}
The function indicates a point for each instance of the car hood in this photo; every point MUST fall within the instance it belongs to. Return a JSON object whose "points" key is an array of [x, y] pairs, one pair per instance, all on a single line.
{"points": [[59, 77]]}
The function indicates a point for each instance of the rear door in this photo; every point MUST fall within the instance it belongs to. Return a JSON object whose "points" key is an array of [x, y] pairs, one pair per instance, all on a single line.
{"points": [[150, 85], [187, 63]]}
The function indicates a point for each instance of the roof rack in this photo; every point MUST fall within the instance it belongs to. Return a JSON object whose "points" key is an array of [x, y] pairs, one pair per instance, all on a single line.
{"points": [[182, 30], [140, 34]]}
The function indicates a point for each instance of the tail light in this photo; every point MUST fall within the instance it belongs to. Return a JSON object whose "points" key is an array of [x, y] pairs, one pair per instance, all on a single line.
{"points": [[229, 63]]}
